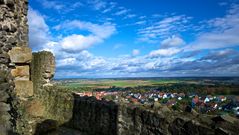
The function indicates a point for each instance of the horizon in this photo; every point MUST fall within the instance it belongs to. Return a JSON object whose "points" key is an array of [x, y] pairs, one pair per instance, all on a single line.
{"points": [[128, 39], [194, 77]]}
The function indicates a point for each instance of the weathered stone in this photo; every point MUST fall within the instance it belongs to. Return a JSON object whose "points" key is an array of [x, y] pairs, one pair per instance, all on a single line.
{"points": [[5, 117], [2, 79], [47, 75], [21, 73], [157, 105], [24, 88], [4, 58], [9, 3], [42, 69], [4, 107], [4, 86], [5, 28], [220, 131], [11, 40], [35, 108], [20, 55], [226, 118], [5, 49], [165, 109], [3, 129], [4, 96], [46, 127], [13, 28], [9, 47]]}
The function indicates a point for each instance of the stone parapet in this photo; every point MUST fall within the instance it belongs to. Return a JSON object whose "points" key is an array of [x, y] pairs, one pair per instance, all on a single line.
{"points": [[42, 69], [13, 33], [23, 88], [21, 73], [20, 55]]}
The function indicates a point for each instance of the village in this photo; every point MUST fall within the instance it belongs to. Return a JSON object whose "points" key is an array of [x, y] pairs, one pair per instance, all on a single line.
{"points": [[209, 104]]}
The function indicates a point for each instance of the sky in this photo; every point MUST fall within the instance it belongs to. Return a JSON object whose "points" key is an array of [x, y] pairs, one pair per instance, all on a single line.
{"points": [[143, 38]]}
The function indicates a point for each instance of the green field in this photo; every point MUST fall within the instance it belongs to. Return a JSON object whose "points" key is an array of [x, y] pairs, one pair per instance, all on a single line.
{"points": [[107, 83], [200, 85]]}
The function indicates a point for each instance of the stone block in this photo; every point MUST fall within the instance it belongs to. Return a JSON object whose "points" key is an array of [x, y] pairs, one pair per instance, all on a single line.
{"points": [[9, 3], [24, 88], [21, 73], [4, 96], [4, 107], [35, 108], [4, 86], [20, 55], [4, 58]]}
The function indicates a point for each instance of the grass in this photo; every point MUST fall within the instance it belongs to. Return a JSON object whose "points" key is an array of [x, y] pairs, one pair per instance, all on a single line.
{"points": [[107, 83]]}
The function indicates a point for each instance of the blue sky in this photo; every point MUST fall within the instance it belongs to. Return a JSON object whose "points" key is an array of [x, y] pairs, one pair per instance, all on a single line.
{"points": [[129, 38]]}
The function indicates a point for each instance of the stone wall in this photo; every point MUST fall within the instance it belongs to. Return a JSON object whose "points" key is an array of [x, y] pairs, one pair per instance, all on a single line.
{"points": [[91, 117], [42, 70], [94, 117], [13, 33]]}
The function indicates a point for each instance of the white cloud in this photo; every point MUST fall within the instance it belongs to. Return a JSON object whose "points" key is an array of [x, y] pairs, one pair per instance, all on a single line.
{"points": [[110, 8], [164, 52], [60, 6], [121, 12], [140, 22], [73, 60], [135, 52], [97, 4], [77, 4], [103, 31], [130, 16], [76, 43], [224, 33], [172, 42], [66, 62], [38, 30], [142, 17], [164, 28], [52, 4]]}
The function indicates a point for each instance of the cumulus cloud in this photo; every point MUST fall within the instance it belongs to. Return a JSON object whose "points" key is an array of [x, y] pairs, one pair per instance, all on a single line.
{"points": [[164, 52], [98, 33], [224, 33], [76, 43], [74, 60], [172, 42], [38, 30], [85, 64]]}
